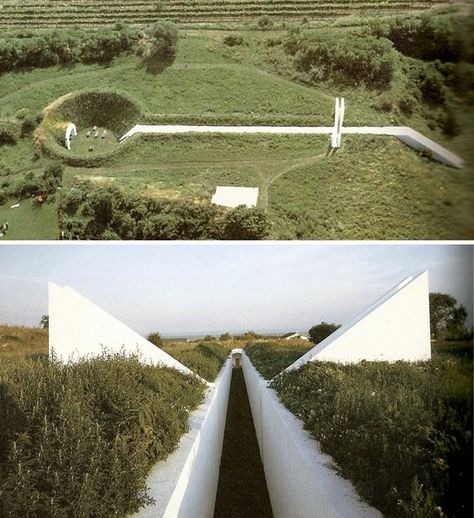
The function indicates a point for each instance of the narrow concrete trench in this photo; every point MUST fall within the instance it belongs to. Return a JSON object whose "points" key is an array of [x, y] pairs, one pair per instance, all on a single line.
{"points": [[242, 490]]}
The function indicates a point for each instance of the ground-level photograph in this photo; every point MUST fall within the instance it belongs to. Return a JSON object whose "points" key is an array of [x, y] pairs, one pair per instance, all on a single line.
{"points": [[216, 380]]}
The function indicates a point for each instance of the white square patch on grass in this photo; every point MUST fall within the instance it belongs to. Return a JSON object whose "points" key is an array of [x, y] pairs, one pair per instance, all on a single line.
{"points": [[235, 196]]}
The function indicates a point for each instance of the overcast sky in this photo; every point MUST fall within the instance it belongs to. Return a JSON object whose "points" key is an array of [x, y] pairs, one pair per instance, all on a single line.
{"points": [[213, 288]]}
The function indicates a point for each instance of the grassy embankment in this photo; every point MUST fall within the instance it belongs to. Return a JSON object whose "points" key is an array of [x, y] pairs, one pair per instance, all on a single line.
{"points": [[401, 432]]}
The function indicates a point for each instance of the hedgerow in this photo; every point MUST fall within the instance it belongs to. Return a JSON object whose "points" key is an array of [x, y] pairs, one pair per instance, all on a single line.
{"points": [[54, 47], [205, 359], [78, 440], [109, 212], [270, 358], [402, 433]]}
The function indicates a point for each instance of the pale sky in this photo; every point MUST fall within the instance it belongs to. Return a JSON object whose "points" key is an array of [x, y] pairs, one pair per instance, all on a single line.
{"points": [[192, 288]]}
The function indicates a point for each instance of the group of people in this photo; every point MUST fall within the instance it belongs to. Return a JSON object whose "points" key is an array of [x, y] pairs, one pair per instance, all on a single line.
{"points": [[95, 132]]}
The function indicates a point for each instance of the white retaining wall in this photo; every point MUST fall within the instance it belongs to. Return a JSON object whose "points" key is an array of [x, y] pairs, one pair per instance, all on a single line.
{"points": [[79, 329], [299, 481], [407, 135], [395, 327], [185, 484]]}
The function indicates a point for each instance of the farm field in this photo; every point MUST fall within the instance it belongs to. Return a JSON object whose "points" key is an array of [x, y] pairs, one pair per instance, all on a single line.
{"points": [[373, 188], [41, 13]]}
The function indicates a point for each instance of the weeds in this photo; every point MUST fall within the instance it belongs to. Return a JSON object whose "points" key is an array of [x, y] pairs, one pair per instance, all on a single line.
{"points": [[79, 439]]}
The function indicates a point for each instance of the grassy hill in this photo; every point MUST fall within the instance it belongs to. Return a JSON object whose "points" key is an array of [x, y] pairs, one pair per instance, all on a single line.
{"points": [[96, 13], [373, 188]]}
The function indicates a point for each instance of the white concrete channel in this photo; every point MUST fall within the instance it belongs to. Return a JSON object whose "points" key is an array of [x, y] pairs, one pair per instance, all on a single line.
{"points": [[407, 135], [185, 484], [299, 480]]}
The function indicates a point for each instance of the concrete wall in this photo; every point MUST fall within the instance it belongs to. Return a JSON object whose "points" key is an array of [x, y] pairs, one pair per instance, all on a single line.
{"points": [[299, 481], [395, 327], [80, 329], [185, 484]]}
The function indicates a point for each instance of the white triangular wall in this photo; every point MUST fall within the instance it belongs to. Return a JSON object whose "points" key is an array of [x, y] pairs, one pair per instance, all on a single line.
{"points": [[395, 327], [79, 329]]}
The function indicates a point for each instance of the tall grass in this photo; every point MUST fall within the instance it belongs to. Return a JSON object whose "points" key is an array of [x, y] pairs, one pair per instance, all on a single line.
{"points": [[205, 359], [402, 433], [78, 440], [270, 358]]}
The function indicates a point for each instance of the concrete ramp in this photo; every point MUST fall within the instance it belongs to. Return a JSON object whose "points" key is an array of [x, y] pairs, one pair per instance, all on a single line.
{"points": [[395, 327], [78, 329], [413, 139]]}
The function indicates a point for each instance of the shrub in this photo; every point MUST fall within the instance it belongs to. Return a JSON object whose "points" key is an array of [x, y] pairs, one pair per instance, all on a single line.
{"points": [[321, 331], [9, 132], [264, 23], [64, 47], [231, 40], [79, 439], [402, 433], [364, 59], [155, 338], [424, 36], [158, 46], [242, 223], [132, 216]]}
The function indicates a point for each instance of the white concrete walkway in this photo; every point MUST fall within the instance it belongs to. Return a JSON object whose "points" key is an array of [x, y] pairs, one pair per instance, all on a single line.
{"points": [[404, 133]]}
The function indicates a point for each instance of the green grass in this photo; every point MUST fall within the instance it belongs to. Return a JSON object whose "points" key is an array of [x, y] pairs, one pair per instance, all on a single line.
{"points": [[370, 189], [102, 12], [205, 359], [81, 143], [30, 221], [271, 358]]}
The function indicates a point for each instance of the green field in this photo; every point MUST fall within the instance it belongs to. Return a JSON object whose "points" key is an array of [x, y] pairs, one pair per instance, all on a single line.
{"points": [[41, 13], [373, 188]]}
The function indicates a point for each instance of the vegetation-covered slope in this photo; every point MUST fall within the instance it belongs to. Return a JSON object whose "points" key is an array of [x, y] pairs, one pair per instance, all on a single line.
{"points": [[371, 188], [79, 439], [402, 433]]}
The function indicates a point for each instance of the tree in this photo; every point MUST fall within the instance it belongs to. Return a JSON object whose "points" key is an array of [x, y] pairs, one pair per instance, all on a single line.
{"points": [[158, 46], [209, 338], [44, 322], [155, 339], [225, 336], [321, 331], [445, 317]]}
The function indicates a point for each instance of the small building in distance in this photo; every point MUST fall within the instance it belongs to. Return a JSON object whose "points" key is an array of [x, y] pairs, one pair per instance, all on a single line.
{"points": [[293, 336]]}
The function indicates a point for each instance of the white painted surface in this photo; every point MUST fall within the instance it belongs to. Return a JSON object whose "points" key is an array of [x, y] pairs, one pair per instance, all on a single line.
{"points": [[405, 134], [71, 132], [299, 481], [235, 196], [395, 327], [185, 484], [79, 329]]}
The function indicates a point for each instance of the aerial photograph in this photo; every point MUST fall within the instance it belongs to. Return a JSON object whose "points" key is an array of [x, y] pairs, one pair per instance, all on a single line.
{"points": [[236, 119], [214, 381]]}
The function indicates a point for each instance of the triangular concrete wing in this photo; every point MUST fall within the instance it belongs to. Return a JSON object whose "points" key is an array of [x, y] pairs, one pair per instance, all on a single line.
{"points": [[395, 327], [79, 329]]}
